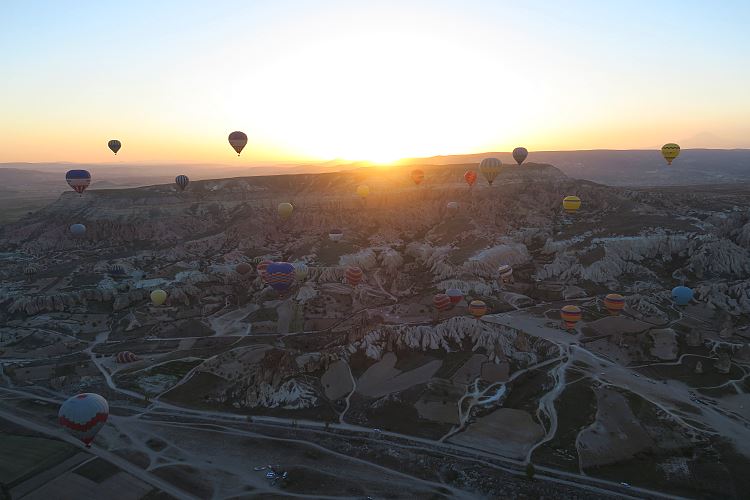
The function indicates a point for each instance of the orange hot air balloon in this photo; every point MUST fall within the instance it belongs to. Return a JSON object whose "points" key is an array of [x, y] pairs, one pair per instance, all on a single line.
{"points": [[353, 275], [477, 308], [417, 176], [614, 303], [570, 316], [470, 177], [442, 302]]}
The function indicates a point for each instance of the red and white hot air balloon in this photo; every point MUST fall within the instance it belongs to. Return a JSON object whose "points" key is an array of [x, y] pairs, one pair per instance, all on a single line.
{"points": [[455, 294], [84, 415], [441, 302], [353, 275], [261, 268]]}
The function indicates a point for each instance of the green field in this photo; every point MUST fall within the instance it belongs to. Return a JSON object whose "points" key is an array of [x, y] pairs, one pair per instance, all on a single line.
{"points": [[24, 456]]}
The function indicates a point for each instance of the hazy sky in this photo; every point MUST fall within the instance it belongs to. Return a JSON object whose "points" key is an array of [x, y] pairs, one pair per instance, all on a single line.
{"points": [[373, 80]]}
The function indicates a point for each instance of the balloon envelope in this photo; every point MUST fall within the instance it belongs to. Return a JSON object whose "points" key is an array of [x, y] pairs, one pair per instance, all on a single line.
{"points": [[614, 303], [570, 316], [280, 276], [114, 145], [238, 140], [490, 168], [505, 271], [79, 180], [452, 207], [571, 204], [285, 210], [670, 151], [682, 295], [78, 230], [417, 176], [441, 302], [182, 182], [363, 191], [336, 234], [301, 271], [243, 268], [84, 415], [125, 357], [158, 297], [470, 177], [520, 154], [353, 275], [477, 308], [455, 294]]}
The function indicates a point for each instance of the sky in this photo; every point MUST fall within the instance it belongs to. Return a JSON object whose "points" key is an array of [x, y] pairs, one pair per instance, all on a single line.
{"points": [[366, 80]]}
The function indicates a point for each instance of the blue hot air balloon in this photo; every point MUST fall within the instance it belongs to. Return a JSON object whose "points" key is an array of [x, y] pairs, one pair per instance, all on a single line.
{"points": [[280, 276], [682, 295], [78, 230], [79, 180]]}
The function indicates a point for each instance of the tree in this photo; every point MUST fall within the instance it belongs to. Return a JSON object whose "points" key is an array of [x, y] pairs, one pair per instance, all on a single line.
{"points": [[530, 470]]}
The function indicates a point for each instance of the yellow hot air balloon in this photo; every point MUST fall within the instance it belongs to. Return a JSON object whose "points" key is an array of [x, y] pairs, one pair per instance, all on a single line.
{"points": [[363, 191], [158, 297], [490, 168], [670, 151], [285, 210], [571, 204]]}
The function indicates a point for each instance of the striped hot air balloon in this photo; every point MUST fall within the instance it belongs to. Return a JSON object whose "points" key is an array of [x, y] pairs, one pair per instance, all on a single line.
{"points": [[238, 140], [353, 275], [455, 294], [116, 271], [114, 145], [490, 168], [470, 177], [506, 273], [441, 302], [477, 308], [520, 154], [243, 268], [261, 268], [570, 315], [571, 204], [301, 271], [417, 176], [280, 276], [670, 151], [182, 182], [125, 357], [79, 180], [84, 415], [614, 303]]}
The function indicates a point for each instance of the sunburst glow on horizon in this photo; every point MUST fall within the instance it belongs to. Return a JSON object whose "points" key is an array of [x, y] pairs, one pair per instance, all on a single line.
{"points": [[356, 81]]}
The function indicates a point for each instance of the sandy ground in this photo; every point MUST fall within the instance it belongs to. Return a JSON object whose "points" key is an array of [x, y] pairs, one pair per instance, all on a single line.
{"points": [[615, 435], [336, 381], [507, 431], [382, 378]]}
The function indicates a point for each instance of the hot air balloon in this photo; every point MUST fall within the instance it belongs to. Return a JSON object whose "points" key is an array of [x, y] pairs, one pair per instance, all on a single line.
{"points": [[506, 273], [243, 268], [470, 177], [301, 271], [125, 357], [335, 234], [158, 297], [570, 315], [441, 302], [614, 303], [78, 230], [670, 151], [116, 271], [455, 294], [285, 210], [353, 275], [238, 140], [490, 168], [84, 415], [363, 191], [30, 270], [114, 145], [262, 268], [280, 276], [682, 295], [477, 308], [571, 204], [79, 180], [452, 207], [520, 154], [417, 176], [182, 181]]}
